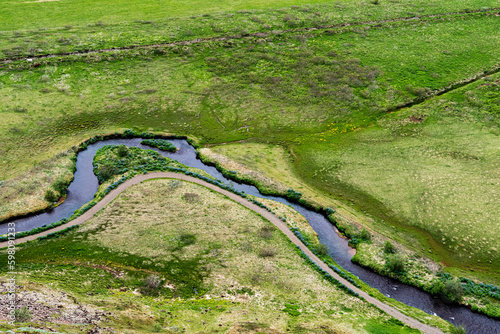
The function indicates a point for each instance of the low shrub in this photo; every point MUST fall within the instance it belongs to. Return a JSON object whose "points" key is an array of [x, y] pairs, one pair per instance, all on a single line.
{"points": [[246, 247], [437, 287], [293, 195], [106, 172], [365, 235], [50, 196], [448, 289], [174, 184], [151, 285], [22, 314], [395, 263], [186, 239], [122, 151], [389, 248], [452, 291], [191, 197], [266, 232], [458, 330], [321, 249], [61, 185], [267, 252], [162, 144]]}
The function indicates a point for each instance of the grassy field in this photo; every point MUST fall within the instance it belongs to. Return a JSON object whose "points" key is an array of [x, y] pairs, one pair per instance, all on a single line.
{"points": [[222, 267], [61, 13], [279, 89], [425, 176], [26, 193], [42, 37], [444, 152]]}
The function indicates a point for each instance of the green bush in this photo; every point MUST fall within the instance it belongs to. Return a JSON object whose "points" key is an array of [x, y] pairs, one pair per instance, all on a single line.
{"points": [[122, 151], [453, 291], [106, 172], [50, 196], [321, 249], [450, 291], [365, 235], [293, 195], [437, 288], [22, 314], [394, 263], [60, 185], [389, 248]]}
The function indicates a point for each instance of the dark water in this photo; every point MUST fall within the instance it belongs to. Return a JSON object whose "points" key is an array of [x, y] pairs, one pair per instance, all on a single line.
{"points": [[85, 184]]}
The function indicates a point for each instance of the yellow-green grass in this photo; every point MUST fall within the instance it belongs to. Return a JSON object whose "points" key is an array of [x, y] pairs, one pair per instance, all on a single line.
{"points": [[26, 193], [419, 271], [145, 230]]}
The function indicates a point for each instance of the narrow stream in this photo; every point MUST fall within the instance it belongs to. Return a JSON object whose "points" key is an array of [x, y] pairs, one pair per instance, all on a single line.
{"points": [[85, 185]]}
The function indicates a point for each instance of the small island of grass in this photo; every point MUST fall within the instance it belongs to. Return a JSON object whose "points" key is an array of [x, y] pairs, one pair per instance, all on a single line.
{"points": [[162, 144]]}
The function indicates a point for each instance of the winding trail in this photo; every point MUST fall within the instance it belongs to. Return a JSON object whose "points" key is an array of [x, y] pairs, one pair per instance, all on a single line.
{"points": [[263, 212]]}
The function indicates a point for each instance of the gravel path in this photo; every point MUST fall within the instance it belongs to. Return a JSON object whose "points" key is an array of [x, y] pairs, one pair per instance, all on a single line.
{"points": [[263, 212]]}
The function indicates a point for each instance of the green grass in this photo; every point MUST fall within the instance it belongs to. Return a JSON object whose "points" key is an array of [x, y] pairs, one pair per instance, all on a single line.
{"points": [[62, 13], [104, 261], [278, 91], [142, 30], [25, 193], [421, 173], [436, 176]]}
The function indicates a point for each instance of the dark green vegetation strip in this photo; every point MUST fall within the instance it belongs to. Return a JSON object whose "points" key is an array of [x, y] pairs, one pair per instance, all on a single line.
{"points": [[162, 144]]}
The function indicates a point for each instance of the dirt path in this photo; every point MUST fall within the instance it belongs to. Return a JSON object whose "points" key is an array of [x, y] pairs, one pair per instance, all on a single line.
{"points": [[263, 212]]}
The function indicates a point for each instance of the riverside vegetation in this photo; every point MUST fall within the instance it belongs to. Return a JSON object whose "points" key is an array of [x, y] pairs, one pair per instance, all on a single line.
{"points": [[316, 79]]}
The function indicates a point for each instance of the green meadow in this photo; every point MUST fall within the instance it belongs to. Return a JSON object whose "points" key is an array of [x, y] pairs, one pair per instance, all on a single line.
{"points": [[385, 110], [433, 168]]}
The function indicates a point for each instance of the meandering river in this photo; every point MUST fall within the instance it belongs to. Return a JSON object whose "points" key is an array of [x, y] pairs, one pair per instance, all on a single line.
{"points": [[85, 185]]}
